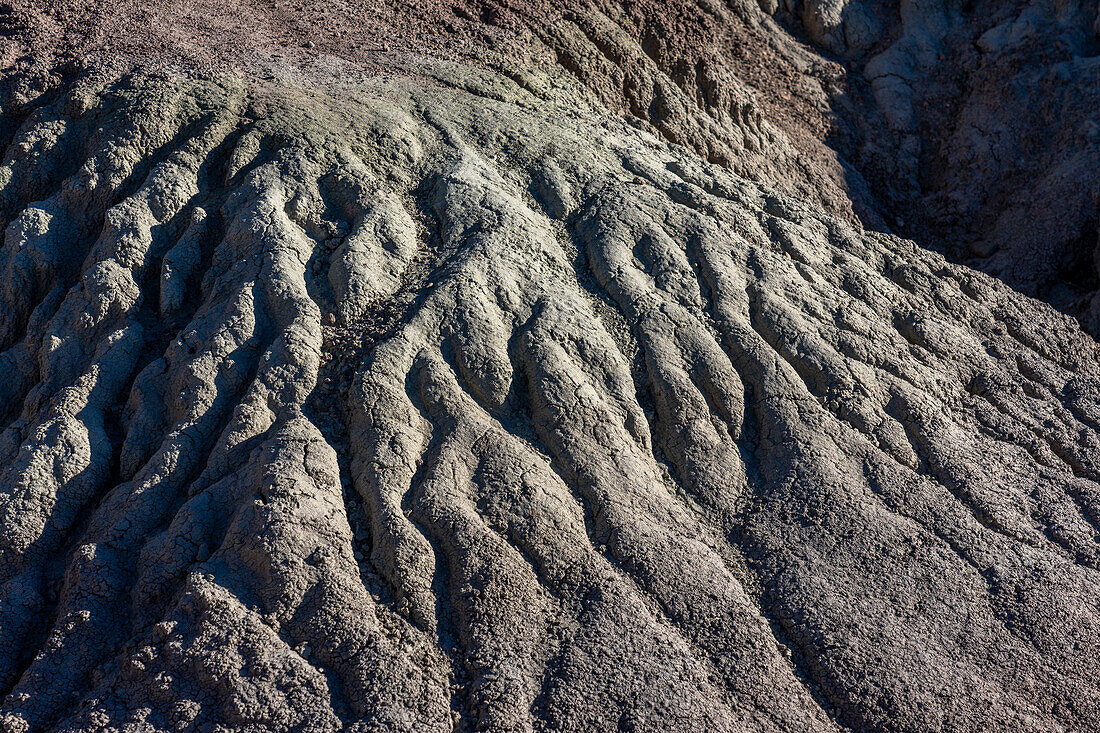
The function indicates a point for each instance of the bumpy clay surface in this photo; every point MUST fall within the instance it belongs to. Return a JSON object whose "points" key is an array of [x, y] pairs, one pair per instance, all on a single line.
{"points": [[491, 394]]}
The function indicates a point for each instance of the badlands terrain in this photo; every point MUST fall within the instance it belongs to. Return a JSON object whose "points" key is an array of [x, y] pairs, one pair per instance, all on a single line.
{"points": [[493, 365]]}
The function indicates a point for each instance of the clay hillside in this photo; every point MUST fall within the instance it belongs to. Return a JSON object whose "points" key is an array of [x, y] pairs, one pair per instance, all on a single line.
{"points": [[549, 365]]}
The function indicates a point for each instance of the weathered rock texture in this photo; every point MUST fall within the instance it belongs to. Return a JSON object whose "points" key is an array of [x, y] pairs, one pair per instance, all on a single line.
{"points": [[986, 140], [449, 400]]}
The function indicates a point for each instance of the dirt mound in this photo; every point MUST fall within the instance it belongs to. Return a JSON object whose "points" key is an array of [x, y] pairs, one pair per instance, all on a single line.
{"points": [[519, 384]]}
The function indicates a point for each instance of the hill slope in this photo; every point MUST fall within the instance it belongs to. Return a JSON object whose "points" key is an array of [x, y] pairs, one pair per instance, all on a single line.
{"points": [[445, 398]]}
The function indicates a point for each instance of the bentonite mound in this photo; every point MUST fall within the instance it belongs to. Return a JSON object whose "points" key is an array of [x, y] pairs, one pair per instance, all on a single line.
{"points": [[512, 368]]}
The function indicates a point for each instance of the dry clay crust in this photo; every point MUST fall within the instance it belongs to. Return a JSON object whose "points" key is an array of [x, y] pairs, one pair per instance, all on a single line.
{"points": [[450, 405]]}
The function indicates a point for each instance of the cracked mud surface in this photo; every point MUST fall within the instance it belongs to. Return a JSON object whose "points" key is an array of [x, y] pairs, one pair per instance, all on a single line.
{"points": [[448, 398]]}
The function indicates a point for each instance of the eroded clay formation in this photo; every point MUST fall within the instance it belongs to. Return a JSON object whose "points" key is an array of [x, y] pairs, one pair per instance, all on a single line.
{"points": [[452, 401]]}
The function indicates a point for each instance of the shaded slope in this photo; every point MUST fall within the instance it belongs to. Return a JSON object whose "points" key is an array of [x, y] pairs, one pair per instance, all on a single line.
{"points": [[979, 130]]}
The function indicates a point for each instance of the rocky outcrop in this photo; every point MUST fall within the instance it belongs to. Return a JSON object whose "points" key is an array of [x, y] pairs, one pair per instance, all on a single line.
{"points": [[452, 402]]}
